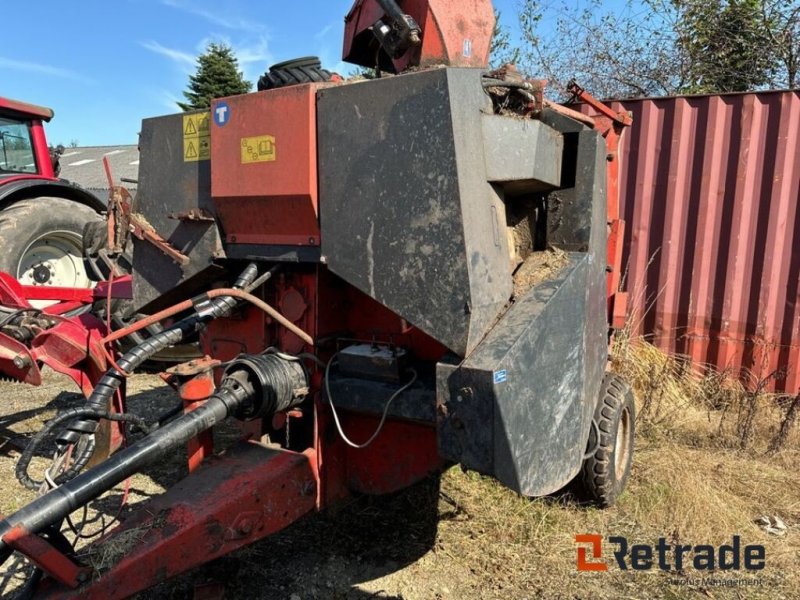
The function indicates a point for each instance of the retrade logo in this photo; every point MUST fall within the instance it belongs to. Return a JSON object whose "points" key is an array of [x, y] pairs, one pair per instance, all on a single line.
{"points": [[667, 557], [590, 561]]}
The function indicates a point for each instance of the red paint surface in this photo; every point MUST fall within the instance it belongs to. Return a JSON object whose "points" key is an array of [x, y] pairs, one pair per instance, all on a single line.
{"points": [[709, 189], [271, 202], [457, 33], [24, 109]]}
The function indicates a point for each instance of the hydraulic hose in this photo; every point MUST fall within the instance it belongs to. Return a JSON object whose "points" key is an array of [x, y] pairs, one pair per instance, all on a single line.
{"points": [[58, 503], [253, 386], [99, 399], [134, 358], [67, 415]]}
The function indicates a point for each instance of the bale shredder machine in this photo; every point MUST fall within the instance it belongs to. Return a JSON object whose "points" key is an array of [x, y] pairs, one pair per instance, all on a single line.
{"points": [[385, 276]]}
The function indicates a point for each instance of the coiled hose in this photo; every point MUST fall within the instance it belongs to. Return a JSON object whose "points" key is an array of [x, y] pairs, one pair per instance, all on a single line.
{"points": [[56, 504], [86, 423]]}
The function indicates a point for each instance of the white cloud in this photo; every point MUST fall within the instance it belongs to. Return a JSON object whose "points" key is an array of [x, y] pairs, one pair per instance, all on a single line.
{"points": [[218, 18], [184, 59], [323, 33], [253, 54], [32, 67]]}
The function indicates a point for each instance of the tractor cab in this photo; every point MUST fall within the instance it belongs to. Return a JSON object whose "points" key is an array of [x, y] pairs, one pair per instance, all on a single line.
{"points": [[23, 146]]}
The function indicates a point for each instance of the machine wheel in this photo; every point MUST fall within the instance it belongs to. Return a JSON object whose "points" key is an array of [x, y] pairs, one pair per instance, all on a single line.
{"points": [[41, 242], [605, 472], [294, 72], [25, 574]]}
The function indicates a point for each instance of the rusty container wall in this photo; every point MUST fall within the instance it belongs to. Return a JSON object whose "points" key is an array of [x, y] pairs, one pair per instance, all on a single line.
{"points": [[709, 191]]}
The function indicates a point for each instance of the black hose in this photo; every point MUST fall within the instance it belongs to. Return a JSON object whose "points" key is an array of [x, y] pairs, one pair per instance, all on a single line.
{"points": [[73, 413], [105, 389], [134, 358], [392, 10], [58, 503]]}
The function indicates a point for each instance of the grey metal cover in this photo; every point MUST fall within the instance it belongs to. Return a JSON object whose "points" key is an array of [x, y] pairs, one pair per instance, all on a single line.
{"points": [[168, 186], [519, 407], [407, 210]]}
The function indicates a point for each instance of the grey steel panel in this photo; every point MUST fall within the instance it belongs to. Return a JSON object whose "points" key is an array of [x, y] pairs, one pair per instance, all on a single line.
{"points": [[170, 185], [519, 407], [523, 151], [407, 213]]}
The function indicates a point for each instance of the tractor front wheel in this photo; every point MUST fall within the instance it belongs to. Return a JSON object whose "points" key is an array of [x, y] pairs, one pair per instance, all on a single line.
{"points": [[605, 471], [41, 242]]}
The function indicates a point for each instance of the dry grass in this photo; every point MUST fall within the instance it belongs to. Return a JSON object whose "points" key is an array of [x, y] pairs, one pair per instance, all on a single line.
{"points": [[692, 483], [538, 267], [465, 536]]}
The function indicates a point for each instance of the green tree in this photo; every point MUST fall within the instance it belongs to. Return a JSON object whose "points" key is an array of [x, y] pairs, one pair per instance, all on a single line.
{"points": [[727, 45], [625, 52], [503, 51], [217, 76], [663, 47], [782, 21]]}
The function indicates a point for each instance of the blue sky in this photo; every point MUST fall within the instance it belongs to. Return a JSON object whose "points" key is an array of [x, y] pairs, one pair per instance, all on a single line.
{"points": [[104, 65]]}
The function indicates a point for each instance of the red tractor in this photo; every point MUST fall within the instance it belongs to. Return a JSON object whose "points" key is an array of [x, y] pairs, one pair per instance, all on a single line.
{"points": [[42, 217]]}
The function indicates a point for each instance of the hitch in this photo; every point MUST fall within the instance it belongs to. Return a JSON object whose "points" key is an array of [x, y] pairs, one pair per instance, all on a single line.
{"points": [[254, 386]]}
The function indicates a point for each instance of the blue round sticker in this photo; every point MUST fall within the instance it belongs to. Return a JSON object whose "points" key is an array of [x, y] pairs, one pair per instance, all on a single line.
{"points": [[222, 114]]}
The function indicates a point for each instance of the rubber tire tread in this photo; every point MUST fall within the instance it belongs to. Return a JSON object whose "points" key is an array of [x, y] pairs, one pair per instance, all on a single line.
{"points": [[297, 72], [26, 220], [598, 481]]}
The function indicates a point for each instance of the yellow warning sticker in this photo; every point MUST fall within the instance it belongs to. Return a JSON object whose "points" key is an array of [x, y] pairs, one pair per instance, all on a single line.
{"points": [[196, 140], [258, 149]]}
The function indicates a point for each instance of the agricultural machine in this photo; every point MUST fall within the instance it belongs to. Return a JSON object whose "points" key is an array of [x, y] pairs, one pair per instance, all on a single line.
{"points": [[385, 277], [42, 217]]}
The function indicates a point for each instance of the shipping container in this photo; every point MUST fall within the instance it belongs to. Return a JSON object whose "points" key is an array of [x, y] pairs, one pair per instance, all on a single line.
{"points": [[709, 192]]}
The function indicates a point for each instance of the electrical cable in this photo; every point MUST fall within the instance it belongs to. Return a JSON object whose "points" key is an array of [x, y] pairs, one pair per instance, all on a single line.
{"points": [[262, 279], [11, 316], [372, 438]]}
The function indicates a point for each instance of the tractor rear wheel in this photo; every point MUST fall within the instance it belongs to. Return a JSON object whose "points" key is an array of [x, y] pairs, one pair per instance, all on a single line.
{"points": [[41, 242], [605, 471]]}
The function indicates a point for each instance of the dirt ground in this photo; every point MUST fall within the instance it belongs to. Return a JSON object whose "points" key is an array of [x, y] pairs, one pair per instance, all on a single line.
{"points": [[463, 536]]}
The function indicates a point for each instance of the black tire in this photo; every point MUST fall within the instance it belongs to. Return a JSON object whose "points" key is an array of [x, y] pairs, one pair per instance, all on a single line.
{"points": [[605, 472], [28, 590], [25, 224], [294, 72]]}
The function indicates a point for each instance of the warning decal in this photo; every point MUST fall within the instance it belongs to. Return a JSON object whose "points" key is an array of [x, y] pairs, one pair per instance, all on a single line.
{"points": [[196, 141], [258, 149]]}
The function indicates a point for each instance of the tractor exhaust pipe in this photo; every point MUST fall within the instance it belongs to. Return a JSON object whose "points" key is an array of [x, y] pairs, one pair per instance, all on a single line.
{"points": [[252, 386]]}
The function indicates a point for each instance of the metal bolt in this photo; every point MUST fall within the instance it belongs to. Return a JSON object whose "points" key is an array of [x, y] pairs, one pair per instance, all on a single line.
{"points": [[21, 361]]}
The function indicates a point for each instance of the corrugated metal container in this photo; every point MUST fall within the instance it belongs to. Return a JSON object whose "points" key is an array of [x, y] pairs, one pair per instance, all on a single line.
{"points": [[709, 191]]}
